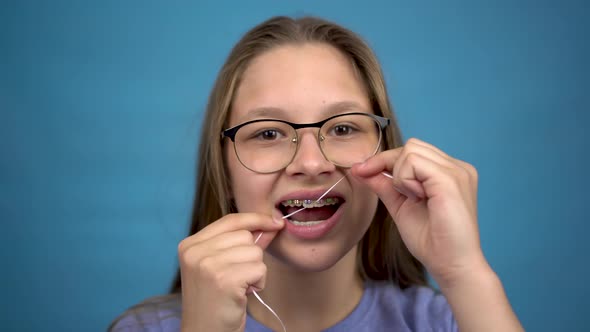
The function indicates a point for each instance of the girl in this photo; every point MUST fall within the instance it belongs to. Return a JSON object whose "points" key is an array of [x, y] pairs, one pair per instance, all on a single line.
{"points": [[311, 215]]}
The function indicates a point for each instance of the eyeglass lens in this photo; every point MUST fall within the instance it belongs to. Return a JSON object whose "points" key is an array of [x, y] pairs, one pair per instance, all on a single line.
{"points": [[268, 146]]}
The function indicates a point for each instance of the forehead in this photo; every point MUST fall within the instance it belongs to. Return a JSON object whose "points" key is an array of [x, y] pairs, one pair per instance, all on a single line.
{"points": [[298, 83]]}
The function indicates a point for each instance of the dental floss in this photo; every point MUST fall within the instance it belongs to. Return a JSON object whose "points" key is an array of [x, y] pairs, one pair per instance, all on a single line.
{"points": [[258, 238], [285, 217], [260, 300], [270, 309], [292, 213], [387, 174], [394, 187], [317, 200]]}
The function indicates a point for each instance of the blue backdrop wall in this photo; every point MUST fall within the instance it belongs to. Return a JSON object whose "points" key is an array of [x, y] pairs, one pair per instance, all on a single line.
{"points": [[101, 105]]}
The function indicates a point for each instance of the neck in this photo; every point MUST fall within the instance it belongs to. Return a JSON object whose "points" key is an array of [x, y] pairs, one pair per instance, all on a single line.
{"points": [[308, 301]]}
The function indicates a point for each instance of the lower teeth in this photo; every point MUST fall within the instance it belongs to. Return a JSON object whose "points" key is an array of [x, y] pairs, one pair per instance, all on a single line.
{"points": [[305, 223]]}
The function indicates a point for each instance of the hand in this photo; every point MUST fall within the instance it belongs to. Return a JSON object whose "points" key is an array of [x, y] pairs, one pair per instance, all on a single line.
{"points": [[219, 266], [433, 201]]}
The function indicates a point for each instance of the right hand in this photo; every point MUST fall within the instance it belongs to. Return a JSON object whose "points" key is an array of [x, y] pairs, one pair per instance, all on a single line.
{"points": [[219, 266]]}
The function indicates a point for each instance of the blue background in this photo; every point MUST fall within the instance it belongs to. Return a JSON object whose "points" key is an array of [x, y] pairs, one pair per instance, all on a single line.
{"points": [[101, 106]]}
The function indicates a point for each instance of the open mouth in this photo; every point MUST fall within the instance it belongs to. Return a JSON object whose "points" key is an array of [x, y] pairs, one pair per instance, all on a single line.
{"points": [[314, 213]]}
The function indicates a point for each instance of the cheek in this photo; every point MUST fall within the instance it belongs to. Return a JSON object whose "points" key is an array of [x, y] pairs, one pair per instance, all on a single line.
{"points": [[250, 191], [237, 180], [252, 194]]}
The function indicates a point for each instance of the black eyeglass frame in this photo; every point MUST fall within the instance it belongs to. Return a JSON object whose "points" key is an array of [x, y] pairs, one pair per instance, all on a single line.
{"points": [[231, 132]]}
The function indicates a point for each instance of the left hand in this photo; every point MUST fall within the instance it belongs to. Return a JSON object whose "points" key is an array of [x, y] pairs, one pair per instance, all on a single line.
{"points": [[433, 201]]}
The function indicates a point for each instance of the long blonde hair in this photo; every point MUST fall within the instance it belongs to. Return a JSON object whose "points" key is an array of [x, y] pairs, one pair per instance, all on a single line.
{"points": [[382, 253]]}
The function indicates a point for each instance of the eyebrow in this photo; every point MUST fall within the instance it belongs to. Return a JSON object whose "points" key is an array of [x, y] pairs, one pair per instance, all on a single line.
{"points": [[329, 110], [265, 112]]}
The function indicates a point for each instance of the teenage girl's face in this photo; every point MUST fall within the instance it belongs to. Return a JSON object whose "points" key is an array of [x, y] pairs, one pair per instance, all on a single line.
{"points": [[303, 84]]}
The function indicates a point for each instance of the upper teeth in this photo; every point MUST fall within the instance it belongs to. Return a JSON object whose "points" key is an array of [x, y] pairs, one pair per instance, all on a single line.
{"points": [[308, 203]]}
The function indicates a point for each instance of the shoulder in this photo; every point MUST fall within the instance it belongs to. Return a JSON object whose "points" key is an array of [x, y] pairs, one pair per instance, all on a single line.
{"points": [[161, 313], [418, 308]]}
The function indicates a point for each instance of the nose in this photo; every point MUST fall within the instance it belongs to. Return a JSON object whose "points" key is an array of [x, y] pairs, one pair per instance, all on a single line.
{"points": [[309, 159]]}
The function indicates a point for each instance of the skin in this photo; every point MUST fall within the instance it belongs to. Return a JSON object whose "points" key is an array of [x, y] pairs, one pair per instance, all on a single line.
{"points": [[305, 84], [432, 199]]}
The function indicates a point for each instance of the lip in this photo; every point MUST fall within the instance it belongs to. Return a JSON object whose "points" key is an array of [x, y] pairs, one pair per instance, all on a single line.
{"points": [[316, 231]]}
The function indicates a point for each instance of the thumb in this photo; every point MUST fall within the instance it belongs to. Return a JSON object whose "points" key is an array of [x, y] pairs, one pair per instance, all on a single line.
{"points": [[263, 239]]}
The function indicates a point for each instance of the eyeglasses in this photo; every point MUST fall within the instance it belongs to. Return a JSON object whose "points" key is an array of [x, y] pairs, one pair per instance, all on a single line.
{"points": [[267, 146]]}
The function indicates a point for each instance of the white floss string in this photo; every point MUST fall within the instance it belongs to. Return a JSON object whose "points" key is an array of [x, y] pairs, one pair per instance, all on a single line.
{"points": [[285, 217], [317, 200], [263, 303], [387, 174]]}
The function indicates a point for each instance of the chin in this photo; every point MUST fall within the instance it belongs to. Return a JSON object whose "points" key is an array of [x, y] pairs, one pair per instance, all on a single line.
{"points": [[308, 258]]}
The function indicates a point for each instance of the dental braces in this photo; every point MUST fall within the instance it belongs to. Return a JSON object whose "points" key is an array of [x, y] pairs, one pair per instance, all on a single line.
{"points": [[308, 203]]}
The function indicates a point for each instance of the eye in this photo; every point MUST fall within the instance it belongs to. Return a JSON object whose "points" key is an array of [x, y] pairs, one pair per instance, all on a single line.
{"points": [[342, 130], [268, 135]]}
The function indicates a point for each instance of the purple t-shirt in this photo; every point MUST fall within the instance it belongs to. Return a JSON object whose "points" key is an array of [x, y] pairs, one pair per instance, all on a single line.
{"points": [[383, 307]]}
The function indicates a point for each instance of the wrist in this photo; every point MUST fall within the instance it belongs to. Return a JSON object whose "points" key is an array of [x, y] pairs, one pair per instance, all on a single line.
{"points": [[478, 301], [479, 272]]}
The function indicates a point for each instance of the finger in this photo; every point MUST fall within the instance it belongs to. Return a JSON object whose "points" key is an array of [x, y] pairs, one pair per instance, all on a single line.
{"points": [[213, 264], [239, 254], [237, 278], [421, 150], [418, 142], [240, 221], [213, 257], [421, 176], [384, 188], [191, 252], [418, 149], [380, 162], [227, 240], [373, 173], [244, 258], [389, 162], [445, 160], [263, 239], [250, 276]]}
